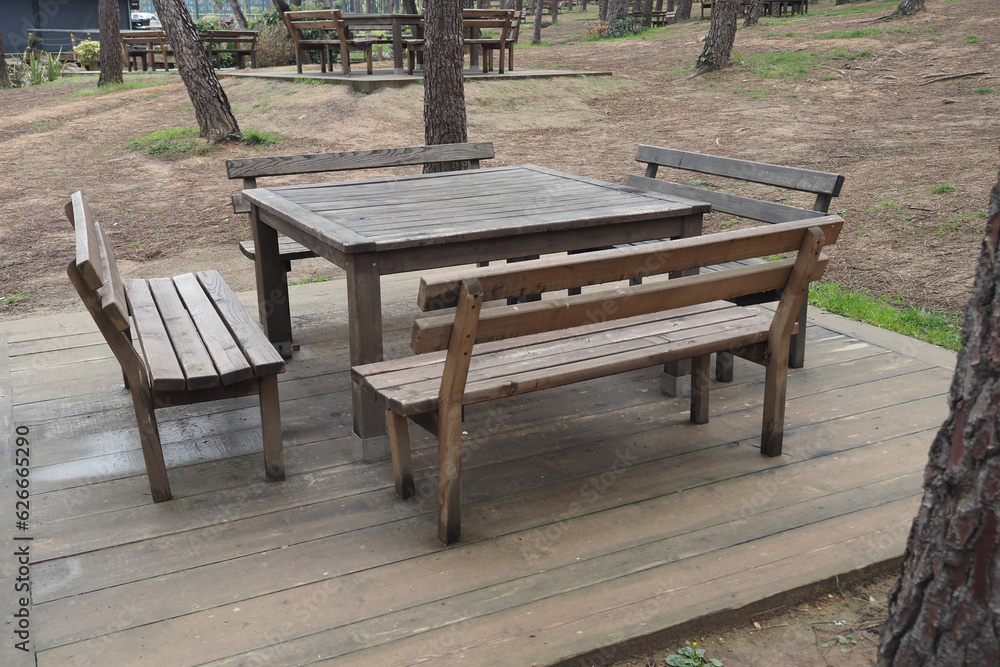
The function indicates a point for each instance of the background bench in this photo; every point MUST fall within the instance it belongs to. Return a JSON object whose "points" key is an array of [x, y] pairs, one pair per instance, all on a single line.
{"points": [[825, 186], [242, 44], [480, 354], [196, 343], [324, 26]]}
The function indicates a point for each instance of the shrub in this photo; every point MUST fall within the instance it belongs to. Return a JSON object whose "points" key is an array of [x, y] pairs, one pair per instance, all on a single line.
{"points": [[274, 46], [87, 53]]}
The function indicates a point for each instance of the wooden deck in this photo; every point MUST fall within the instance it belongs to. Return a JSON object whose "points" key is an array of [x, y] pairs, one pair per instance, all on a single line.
{"points": [[595, 514], [385, 78]]}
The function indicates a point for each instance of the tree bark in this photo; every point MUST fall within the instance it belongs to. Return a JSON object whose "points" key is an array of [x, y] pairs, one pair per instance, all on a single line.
{"points": [[616, 10], [241, 19], [753, 14], [281, 6], [4, 74], [444, 86], [721, 35], [211, 106], [908, 8], [536, 35], [112, 56], [945, 609], [647, 14], [683, 10]]}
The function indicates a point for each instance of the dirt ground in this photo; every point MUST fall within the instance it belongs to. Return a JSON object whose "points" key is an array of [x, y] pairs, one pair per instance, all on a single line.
{"points": [[876, 108]]}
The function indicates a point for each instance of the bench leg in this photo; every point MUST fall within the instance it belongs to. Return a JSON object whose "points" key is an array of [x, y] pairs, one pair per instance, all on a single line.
{"points": [[724, 366], [402, 462], [797, 348], [699, 388], [149, 437], [674, 380], [449, 473], [270, 425], [775, 383]]}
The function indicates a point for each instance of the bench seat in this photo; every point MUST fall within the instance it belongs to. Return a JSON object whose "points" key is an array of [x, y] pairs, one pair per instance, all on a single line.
{"points": [[525, 364]]}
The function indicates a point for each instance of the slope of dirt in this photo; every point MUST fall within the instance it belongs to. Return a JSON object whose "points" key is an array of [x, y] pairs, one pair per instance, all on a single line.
{"points": [[864, 109]]}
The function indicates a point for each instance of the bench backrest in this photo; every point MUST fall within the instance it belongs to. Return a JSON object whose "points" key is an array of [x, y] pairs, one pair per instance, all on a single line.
{"points": [[618, 264], [327, 20], [249, 169], [824, 185], [491, 19], [95, 263]]}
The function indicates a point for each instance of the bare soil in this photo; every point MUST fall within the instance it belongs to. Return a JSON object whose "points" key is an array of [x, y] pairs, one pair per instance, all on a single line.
{"points": [[871, 109]]}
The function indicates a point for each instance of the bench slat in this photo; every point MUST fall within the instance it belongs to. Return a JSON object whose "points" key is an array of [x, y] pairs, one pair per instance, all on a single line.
{"points": [[605, 266], [615, 358], [433, 333], [161, 360], [257, 349], [88, 253], [550, 349], [226, 354], [759, 172], [283, 165], [189, 348], [112, 292], [287, 250], [745, 207]]}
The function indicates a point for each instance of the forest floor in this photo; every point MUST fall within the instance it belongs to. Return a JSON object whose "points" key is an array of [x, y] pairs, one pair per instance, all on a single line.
{"points": [[835, 90]]}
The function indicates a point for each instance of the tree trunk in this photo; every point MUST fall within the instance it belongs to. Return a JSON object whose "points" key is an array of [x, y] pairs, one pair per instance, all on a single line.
{"points": [[721, 35], [241, 19], [683, 10], [211, 106], [281, 6], [444, 86], [4, 74], [647, 14], [908, 8], [536, 35], [945, 609], [616, 10], [753, 14], [112, 56]]}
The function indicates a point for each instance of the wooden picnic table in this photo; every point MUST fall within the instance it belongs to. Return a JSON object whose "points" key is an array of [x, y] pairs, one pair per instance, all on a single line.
{"points": [[391, 225], [393, 22]]}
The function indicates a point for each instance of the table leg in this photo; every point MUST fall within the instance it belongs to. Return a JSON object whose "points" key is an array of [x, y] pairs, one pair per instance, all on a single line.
{"points": [[676, 377], [397, 46], [364, 312], [272, 286]]}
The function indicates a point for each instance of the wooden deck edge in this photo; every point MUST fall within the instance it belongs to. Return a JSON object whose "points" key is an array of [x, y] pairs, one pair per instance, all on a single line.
{"points": [[733, 616], [17, 604]]}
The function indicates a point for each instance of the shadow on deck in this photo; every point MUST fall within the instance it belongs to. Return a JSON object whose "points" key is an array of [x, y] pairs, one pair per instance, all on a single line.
{"points": [[595, 515]]}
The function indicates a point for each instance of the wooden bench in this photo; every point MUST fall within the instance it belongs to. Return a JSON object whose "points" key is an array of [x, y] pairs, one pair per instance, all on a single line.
{"points": [[242, 44], [196, 343], [480, 354], [250, 169], [823, 185], [145, 46], [495, 20], [658, 18], [328, 32]]}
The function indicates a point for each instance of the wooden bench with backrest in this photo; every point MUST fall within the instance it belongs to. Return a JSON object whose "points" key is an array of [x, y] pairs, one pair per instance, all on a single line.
{"points": [[252, 168], [242, 44], [497, 21], [322, 30], [145, 46], [480, 354], [825, 186], [196, 343]]}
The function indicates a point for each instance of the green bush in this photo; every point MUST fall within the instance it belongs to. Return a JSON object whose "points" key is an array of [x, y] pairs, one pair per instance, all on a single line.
{"points": [[87, 53], [274, 46]]}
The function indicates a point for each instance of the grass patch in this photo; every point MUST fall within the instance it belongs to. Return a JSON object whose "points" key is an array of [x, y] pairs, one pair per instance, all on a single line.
{"points": [[944, 329], [779, 64], [180, 140], [943, 189], [864, 8], [985, 90], [252, 137], [118, 87], [864, 32], [314, 279], [11, 299], [971, 39]]}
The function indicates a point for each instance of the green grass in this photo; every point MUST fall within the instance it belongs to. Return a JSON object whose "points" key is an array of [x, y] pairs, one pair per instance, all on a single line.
{"points": [[779, 64], [314, 279], [971, 39], [11, 299], [864, 32], [861, 8], [117, 87], [252, 137], [985, 90], [943, 189], [944, 329], [177, 140]]}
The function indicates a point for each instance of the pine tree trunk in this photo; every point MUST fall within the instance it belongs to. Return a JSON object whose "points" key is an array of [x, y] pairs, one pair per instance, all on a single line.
{"points": [[683, 10], [616, 10], [281, 6], [241, 19], [4, 74], [647, 13], [721, 35], [753, 14], [211, 106], [908, 8], [112, 56], [945, 609], [444, 86], [536, 35]]}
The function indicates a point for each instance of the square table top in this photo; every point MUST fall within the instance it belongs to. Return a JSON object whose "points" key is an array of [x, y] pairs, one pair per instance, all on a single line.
{"points": [[414, 211]]}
